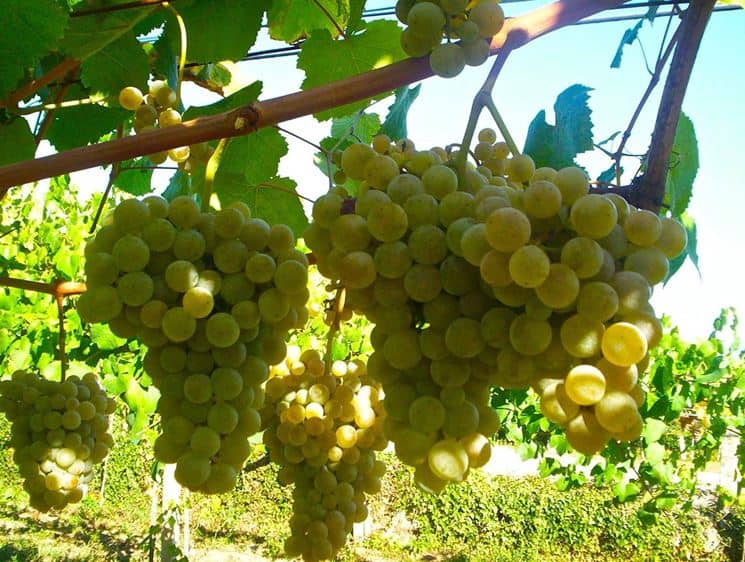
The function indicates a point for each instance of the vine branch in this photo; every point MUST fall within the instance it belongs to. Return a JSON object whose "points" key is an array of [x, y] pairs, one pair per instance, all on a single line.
{"points": [[338, 308], [244, 120], [661, 62], [57, 73], [56, 289], [650, 191]]}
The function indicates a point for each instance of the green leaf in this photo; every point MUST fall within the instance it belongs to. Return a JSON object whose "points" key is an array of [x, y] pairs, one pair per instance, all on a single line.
{"points": [[712, 376], [653, 430], [165, 63], [654, 453], [118, 65], [683, 167], [104, 338], [87, 35], [363, 126], [691, 250], [244, 96], [83, 124], [625, 491], [291, 20], [136, 182], [276, 206], [325, 60], [220, 29], [609, 175], [356, 8], [629, 36], [395, 122], [179, 184], [29, 31], [610, 138], [16, 142], [256, 156], [557, 145]]}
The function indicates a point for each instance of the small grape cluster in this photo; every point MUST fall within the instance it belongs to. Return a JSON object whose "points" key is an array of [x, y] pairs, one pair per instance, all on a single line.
{"points": [[429, 22], [59, 431], [212, 295], [157, 109], [323, 429]]}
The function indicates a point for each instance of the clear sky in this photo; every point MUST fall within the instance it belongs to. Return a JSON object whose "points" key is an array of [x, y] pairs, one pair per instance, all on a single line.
{"points": [[533, 77]]}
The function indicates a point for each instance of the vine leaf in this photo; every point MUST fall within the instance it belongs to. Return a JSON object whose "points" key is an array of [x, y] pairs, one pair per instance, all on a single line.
{"points": [[256, 156], [345, 131], [119, 64], [691, 250], [83, 124], [29, 31], [356, 8], [683, 167], [136, 181], [244, 96], [275, 206], [16, 142], [85, 36], [363, 127], [325, 60], [225, 29], [395, 122], [629, 36], [250, 162], [291, 20], [557, 145]]}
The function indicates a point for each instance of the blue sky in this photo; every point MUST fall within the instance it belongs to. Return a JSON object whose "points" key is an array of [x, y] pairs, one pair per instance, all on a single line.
{"points": [[532, 78]]}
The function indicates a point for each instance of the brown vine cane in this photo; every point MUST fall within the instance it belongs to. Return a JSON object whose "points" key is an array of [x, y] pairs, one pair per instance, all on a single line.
{"points": [[59, 290]]}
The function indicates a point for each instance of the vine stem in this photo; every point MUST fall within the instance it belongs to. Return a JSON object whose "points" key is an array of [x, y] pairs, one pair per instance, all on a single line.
{"points": [[56, 289], [330, 17], [210, 172], [339, 299], [56, 73], [650, 191], [480, 100], [59, 290], [661, 62], [247, 119], [49, 117], [183, 44], [60, 300], [115, 169]]}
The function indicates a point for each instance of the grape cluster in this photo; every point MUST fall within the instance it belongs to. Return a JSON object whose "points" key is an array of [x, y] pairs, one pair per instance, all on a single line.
{"points": [[474, 24], [323, 430], [59, 431], [507, 276], [212, 295], [157, 109], [400, 251]]}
